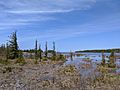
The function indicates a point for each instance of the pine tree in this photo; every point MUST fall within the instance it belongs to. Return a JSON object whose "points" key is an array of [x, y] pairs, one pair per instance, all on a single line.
{"points": [[13, 46]]}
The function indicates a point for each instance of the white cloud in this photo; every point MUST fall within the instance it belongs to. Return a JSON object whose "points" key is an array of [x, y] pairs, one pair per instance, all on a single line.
{"points": [[22, 12], [44, 6], [16, 21], [40, 12]]}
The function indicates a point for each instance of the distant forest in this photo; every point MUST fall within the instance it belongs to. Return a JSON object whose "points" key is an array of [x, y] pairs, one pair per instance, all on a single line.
{"points": [[102, 50]]}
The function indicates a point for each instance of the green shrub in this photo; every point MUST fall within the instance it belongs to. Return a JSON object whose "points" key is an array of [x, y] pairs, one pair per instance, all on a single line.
{"points": [[60, 57], [21, 61], [111, 62], [5, 62], [68, 70], [44, 59], [35, 61]]}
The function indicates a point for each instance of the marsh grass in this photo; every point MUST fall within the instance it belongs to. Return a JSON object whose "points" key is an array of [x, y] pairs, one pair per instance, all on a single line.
{"points": [[106, 80], [60, 77]]}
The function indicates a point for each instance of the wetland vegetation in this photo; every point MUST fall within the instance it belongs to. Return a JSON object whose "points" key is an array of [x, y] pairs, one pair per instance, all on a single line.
{"points": [[38, 69]]}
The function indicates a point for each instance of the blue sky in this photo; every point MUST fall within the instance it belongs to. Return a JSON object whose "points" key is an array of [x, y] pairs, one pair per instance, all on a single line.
{"points": [[72, 24]]}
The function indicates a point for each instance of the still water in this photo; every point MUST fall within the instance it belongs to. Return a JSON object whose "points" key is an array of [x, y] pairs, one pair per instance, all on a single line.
{"points": [[87, 63]]}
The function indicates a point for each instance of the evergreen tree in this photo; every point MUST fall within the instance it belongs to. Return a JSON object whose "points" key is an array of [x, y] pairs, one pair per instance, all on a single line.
{"points": [[7, 51], [13, 46], [20, 59], [46, 50], [71, 55], [40, 52], [103, 59], [36, 54], [54, 46], [54, 52], [21, 54], [2, 51], [112, 60]]}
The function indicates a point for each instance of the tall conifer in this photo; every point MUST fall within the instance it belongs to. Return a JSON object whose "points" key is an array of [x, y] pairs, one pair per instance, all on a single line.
{"points": [[13, 46]]}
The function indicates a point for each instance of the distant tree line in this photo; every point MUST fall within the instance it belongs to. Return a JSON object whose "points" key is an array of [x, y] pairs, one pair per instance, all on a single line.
{"points": [[100, 51]]}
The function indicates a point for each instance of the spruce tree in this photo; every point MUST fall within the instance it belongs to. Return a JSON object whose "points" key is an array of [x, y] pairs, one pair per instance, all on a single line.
{"points": [[112, 60], [13, 46], [103, 59], [2, 51], [21, 54], [54, 46], [54, 52], [40, 53], [7, 51], [36, 49], [21, 59], [46, 50], [36, 53], [71, 55]]}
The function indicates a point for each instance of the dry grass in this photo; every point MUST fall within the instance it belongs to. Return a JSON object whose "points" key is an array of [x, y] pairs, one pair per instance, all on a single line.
{"points": [[52, 75]]}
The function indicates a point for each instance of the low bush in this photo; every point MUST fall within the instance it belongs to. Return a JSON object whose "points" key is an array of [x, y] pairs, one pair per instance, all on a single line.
{"points": [[35, 61], [21, 61], [5, 62], [7, 69]]}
